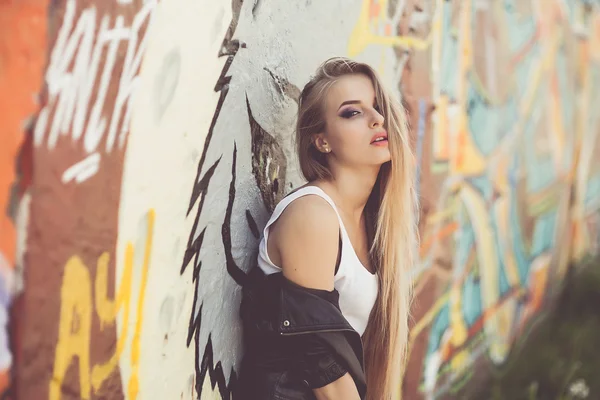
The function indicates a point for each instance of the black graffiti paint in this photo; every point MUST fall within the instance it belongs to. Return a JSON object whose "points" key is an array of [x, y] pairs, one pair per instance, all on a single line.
{"points": [[233, 269], [204, 354], [283, 86], [216, 375], [269, 170]]}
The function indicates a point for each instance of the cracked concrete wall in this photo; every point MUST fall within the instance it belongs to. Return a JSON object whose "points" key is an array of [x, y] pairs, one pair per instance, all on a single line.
{"points": [[160, 140]]}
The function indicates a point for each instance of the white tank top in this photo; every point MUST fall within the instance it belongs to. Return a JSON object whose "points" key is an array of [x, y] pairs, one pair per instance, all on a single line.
{"points": [[356, 285]]}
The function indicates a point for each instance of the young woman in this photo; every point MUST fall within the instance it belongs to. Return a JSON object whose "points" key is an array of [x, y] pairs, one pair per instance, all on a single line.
{"points": [[325, 311]]}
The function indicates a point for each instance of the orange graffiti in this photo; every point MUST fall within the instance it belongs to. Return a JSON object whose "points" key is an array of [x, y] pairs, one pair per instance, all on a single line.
{"points": [[22, 57], [439, 235]]}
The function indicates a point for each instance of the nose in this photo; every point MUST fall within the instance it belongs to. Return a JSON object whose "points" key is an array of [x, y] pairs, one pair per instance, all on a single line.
{"points": [[376, 119]]}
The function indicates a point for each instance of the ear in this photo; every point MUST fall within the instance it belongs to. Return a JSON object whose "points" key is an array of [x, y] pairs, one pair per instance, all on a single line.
{"points": [[321, 143]]}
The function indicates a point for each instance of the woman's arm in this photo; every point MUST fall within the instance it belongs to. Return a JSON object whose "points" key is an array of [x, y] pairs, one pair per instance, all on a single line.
{"points": [[306, 239], [343, 388]]}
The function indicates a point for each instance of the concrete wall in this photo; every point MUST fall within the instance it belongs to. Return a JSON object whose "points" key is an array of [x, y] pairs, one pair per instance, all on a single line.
{"points": [[161, 140]]}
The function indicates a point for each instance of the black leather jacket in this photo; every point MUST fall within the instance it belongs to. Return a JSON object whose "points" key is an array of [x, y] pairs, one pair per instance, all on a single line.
{"points": [[296, 339]]}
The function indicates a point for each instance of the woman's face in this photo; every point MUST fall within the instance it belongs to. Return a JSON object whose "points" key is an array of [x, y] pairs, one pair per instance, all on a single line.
{"points": [[354, 133]]}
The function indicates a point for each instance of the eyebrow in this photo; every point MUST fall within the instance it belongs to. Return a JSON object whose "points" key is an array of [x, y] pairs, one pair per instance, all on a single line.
{"points": [[345, 103], [349, 102]]}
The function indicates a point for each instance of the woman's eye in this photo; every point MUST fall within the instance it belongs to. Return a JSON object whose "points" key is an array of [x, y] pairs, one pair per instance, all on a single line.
{"points": [[376, 107], [349, 113]]}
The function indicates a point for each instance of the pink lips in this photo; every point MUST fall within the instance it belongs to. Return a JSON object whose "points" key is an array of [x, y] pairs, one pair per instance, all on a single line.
{"points": [[380, 142]]}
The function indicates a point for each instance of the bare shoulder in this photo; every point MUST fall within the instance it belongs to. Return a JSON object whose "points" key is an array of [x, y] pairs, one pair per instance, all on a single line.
{"points": [[307, 235]]}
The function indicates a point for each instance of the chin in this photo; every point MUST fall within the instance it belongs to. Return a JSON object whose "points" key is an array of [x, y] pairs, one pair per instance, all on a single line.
{"points": [[387, 157], [380, 162]]}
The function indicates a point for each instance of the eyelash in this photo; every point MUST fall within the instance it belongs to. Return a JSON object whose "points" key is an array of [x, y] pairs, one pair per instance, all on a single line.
{"points": [[351, 113]]}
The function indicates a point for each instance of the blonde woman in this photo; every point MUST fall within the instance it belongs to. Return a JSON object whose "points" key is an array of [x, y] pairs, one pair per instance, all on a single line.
{"points": [[325, 311]]}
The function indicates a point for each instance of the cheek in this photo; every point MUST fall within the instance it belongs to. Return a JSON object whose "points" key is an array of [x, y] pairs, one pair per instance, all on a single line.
{"points": [[345, 137], [351, 145], [354, 134]]}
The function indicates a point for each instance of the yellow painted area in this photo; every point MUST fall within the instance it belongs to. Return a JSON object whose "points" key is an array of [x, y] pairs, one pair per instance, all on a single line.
{"points": [[486, 259], [74, 328], [133, 388], [465, 159], [442, 215], [441, 145], [499, 174], [580, 240], [362, 35], [502, 214], [466, 45], [427, 319], [486, 248], [76, 319], [595, 39], [545, 64], [556, 132], [457, 323], [539, 281], [436, 50], [106, 308], [458, 327], [460, 360]]}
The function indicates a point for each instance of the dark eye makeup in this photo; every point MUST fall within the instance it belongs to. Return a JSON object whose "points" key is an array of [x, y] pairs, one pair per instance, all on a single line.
{"points": [[349, 113]]}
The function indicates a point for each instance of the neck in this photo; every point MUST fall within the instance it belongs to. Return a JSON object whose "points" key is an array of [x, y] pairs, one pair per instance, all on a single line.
{"points": [[351, 189]]}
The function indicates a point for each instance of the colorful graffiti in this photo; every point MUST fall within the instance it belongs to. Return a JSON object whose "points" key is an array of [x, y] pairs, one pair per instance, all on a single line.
{"points": [[78, 301], [156, 150], [71, 291], [505, 138]]}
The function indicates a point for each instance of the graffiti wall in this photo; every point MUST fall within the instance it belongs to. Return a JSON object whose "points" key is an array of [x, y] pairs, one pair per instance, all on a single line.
{"points": [[508, 142], [22, 35], [148, 142]]}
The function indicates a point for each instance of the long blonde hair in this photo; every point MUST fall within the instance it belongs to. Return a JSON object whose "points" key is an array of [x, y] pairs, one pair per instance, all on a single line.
{"points": [[391, 214]]}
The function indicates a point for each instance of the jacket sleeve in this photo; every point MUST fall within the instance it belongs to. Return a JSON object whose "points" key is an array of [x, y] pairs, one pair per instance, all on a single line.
{"points": [[320, 366]]}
